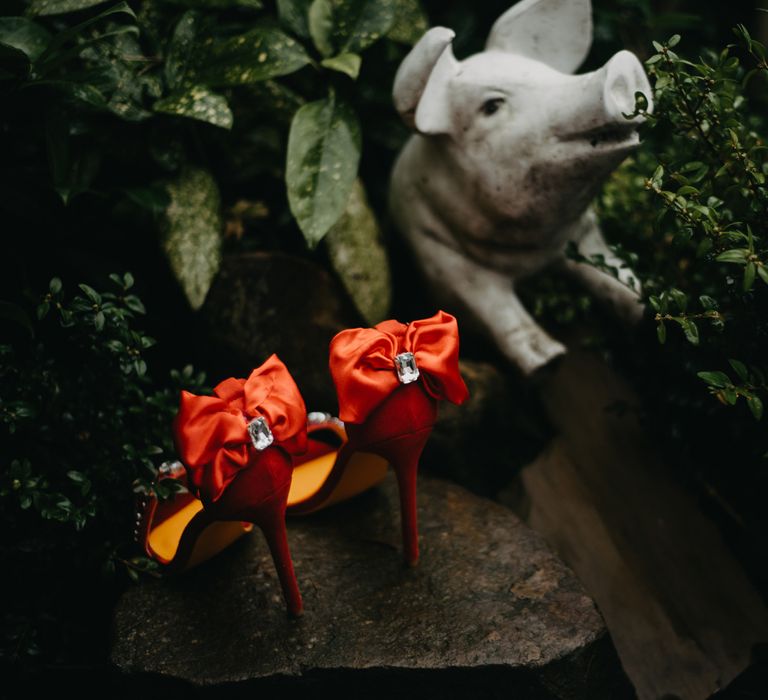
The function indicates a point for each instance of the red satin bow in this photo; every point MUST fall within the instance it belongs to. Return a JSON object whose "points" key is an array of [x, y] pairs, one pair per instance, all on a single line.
{"points": [[211, 432], [362, 362]]}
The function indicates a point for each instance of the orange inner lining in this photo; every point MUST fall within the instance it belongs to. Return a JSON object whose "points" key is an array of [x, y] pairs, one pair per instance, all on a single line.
{"points": [[363, 471]]}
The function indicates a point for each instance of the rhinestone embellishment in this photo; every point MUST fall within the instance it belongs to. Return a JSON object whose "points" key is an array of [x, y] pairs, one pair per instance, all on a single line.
{"points": [[260, 434], [316, 417], [171, 468], [407, 371]]}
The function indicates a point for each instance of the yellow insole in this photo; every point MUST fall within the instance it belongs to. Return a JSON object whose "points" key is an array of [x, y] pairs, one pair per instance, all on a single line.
{"points": [[308, 477], [363, 471], [164, 539]]}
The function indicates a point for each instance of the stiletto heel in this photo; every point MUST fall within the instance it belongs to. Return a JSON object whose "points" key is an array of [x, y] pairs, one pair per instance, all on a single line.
{"points": [[403, 454], [272, 524], [237, 447], [389, 380], [179, 533]]}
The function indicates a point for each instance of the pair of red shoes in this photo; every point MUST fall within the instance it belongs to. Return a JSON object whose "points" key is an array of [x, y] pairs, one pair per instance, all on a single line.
{"points": [[252, 453]]}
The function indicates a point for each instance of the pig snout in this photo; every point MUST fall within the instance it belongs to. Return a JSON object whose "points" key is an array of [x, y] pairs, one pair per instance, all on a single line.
{"points": [[624, 76], [593, 105]]}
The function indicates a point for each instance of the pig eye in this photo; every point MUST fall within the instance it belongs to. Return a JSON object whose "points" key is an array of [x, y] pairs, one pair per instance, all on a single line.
{"points": [[492, 106]]}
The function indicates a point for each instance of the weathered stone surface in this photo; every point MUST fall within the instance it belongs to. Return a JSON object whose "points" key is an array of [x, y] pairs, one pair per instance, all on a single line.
{"points": [[262, 303], [489, 611]]}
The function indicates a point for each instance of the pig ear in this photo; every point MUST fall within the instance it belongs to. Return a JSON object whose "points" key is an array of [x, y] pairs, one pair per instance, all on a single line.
{"points": [[421, 84], [555, 32]]}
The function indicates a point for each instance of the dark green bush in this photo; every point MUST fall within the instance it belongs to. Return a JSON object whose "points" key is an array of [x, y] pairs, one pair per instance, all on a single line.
{"points": [[84, 428], [157, 107], [689, 213], [699, 236]]}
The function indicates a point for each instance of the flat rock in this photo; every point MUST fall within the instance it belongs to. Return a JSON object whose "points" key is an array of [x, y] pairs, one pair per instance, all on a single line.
{"points": [[489, 611]]}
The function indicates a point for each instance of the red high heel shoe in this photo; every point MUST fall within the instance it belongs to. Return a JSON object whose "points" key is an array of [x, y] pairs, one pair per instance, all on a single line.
{"points": [[161, 526], [237, 447], [389, 380]]}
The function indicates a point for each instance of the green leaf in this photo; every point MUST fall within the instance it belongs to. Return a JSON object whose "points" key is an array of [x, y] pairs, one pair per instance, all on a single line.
{"points": [[740, 368], [192, 232], [349, 26], [50, 55], [135, 304], [680, 299], [737, 256], [25, 35], [320, 23], [260, 54], [323, 155], [348, 63], [181, 49], [60, 7], [55, 285], [691, 331], [14, 63], [358, 255], [294, 15], [756, 406], [410, 22], [762, 273], [83, 92], [716, 379], [749, 276], [198, 103], [91, 293], [661, 332]]}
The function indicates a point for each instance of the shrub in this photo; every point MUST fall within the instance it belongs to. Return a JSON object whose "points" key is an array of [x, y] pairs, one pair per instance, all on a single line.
{"points": [[159, 107], [688, 212], [84, 427], [698, 233]]}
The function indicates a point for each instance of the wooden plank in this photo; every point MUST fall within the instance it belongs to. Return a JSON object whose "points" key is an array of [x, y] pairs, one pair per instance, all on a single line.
{"points": [[682, 613]]}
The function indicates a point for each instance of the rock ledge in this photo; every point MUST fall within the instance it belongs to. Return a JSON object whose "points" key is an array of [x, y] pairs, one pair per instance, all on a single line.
{"points": [[489, 610]]}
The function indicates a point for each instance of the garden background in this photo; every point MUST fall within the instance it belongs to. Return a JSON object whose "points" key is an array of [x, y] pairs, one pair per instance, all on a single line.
{"points": [[153, 149]]}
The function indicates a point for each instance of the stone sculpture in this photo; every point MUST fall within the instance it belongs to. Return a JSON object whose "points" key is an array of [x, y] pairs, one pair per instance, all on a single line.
{"points": [[509, 151]]}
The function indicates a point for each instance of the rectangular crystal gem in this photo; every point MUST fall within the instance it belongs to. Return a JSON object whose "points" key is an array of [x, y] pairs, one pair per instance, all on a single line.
{"points": [[407, 371], [261, 435]]}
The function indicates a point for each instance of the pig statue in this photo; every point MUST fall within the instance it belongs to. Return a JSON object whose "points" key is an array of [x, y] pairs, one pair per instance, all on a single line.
{"points": [[510, 148]]}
